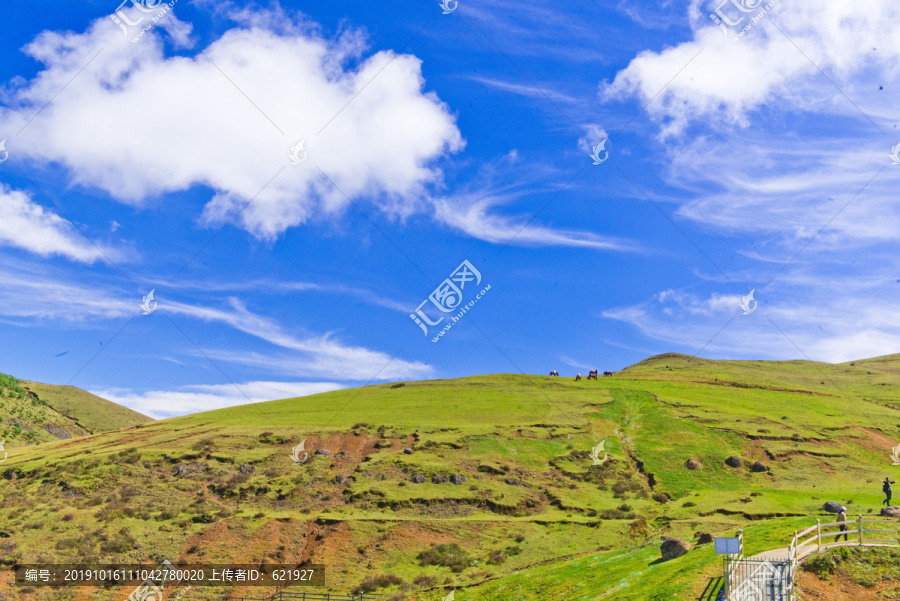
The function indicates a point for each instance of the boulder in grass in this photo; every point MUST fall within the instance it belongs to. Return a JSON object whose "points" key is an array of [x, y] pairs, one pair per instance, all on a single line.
{"points": [[703, 538], [407, 451], [734, 461], [891, 512], [439, 479], [758, 467], [457, 478], [340, 479], [323, 452], [832, 507], [673, 547], [692, 464], [418, 479]]}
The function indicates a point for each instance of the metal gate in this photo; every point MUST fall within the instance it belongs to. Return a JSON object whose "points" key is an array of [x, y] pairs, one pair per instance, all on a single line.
{"points": [[759, 580]]}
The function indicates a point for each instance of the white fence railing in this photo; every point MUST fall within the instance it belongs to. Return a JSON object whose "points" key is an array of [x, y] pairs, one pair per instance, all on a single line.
{"points": [[860, 532]]}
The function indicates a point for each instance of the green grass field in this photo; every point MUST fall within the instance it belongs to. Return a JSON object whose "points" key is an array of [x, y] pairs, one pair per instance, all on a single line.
{"points": [[32, 413], [534, 518]]}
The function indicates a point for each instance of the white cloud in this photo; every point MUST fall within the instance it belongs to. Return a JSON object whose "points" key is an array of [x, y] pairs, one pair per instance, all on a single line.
{"points": [[594, 135], [137, 124], [286, 287], [854, 42], [25, 294], [321, 356], [28, 291], [161, 404], [474, 214], [475, 211], [27, 225], [524, 89], [833, 321]]}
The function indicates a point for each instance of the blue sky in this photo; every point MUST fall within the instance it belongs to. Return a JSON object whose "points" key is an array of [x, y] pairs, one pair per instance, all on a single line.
{"points": [[162, 161]]}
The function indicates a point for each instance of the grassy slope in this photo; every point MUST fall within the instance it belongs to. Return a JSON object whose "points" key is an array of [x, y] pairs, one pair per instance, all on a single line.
{"points": [[566, 530], [56, 412], [92, 412]]}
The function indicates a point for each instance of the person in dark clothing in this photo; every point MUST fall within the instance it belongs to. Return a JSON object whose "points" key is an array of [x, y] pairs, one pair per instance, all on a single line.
{"points": [[842, 519], [887, 491]]}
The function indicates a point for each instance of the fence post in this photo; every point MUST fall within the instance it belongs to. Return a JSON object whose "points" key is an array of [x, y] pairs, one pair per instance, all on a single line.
{"points": [[727, 571], [819, 535], [861, 540]]}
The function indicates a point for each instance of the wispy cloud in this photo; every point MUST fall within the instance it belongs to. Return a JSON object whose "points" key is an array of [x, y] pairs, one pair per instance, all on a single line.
{"points": [[27, 296], [287, 287], [524, 89], [321, 356], [27, 225], [476, 215], [828, 321]]}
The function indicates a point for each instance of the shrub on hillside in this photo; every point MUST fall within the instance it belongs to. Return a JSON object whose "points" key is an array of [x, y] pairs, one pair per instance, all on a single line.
{"points": [[496, 557], [450, 556], [424, 581], [821, 564], [372, 584]]}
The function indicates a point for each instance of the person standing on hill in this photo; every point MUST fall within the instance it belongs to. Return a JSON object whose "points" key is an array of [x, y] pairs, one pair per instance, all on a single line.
{"points": [[842, 520], [887, 491]]}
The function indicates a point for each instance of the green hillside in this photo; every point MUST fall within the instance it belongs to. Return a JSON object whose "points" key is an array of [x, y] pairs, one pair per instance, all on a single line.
{"points": [[33, 413], [534, 519]]}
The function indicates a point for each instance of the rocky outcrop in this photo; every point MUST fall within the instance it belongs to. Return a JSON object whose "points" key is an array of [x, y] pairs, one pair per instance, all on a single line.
{"points": [[673, 547], [57, 431], [758, 467], [703, 538], [891, 512], [734, 461], [323, 452], [418, 479], [457, 479], [692, 464]]}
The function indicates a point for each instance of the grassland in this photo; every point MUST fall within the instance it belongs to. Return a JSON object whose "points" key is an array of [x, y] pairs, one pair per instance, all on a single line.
{"points": [[534, 518], [33, 413]]}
